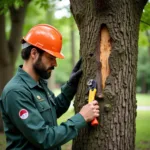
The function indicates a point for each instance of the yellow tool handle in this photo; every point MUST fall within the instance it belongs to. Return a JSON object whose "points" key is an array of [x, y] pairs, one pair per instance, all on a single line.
{"points": [[91, 98], [91, 95]]}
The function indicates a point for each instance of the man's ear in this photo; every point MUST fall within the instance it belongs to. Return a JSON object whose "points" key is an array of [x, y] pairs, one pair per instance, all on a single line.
{"points": [[34, 53]]}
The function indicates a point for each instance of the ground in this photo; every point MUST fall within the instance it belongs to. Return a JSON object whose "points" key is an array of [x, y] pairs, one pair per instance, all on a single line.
{"points": [[142, 125]]}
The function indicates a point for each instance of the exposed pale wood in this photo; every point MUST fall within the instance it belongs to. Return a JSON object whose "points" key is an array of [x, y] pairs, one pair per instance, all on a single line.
{"points": [[105, 50]]}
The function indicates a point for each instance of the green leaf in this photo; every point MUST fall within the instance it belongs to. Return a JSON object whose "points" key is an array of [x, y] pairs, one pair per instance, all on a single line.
{"points": [[145, 20]]}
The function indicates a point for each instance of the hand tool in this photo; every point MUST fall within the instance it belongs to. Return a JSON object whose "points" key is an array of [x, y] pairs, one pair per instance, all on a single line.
{"points": [[92, 91]]}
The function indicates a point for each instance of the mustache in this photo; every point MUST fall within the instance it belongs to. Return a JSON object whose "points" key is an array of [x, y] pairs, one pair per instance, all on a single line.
{"points": [[51, 68]]}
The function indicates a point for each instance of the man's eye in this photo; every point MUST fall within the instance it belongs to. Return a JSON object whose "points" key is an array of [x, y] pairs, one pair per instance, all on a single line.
{"points": [[51, 58]]}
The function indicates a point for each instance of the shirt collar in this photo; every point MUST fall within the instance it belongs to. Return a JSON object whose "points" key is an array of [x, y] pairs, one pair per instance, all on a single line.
{"points": [[43, 81], [26, 77]]}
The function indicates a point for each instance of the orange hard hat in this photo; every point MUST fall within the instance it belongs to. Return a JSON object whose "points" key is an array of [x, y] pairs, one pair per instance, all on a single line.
{"points": [[46, 38]]}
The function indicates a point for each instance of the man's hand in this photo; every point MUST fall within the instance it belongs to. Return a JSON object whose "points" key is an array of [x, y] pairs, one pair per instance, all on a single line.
{"points": [[75, 75], [90, 111]]}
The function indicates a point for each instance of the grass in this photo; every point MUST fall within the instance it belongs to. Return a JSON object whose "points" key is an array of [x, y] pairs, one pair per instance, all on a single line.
{"points": [[143, 130], [142, 125], [143, 99], [66, 116]]}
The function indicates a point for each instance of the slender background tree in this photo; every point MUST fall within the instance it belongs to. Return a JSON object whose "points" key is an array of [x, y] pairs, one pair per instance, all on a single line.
{"points": [[10, 46], [143, 75]]}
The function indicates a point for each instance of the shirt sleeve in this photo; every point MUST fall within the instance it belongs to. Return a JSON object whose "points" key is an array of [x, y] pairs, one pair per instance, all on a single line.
{"points": [[63, 99], [25, 116]]}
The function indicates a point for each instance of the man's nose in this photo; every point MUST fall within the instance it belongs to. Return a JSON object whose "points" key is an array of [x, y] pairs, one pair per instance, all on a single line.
{"points": [[55, 63]]}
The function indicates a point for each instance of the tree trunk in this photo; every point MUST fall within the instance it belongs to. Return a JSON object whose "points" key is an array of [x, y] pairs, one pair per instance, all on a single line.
{"points": [[108, 47], [49, 20], [148, 38], [144, 84], [10, 48], [72, 35], [5, 67]]}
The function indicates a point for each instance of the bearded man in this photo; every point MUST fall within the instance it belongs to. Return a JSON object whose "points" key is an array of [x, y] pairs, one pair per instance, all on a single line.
{"points": [[29, 109]]}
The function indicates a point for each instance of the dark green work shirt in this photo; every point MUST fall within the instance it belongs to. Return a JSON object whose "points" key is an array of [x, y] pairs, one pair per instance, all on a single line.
{"points": [[30, 111]]}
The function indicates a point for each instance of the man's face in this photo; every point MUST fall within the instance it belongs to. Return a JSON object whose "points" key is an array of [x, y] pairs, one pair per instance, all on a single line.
{"points": [[44, 65]]}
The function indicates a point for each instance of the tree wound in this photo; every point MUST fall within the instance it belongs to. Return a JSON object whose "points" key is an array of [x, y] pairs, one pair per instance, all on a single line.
{"points": [[105, 50]]}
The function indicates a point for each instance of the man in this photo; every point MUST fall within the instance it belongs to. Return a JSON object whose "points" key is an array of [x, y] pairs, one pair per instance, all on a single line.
{"points": [[29, 108]]}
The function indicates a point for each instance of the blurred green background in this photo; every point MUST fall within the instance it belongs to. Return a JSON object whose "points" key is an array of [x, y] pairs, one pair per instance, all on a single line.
{"points": [[57, 13]]}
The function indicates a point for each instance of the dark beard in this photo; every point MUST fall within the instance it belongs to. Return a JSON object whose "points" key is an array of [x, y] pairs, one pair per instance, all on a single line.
{"points": [[40, 69]]}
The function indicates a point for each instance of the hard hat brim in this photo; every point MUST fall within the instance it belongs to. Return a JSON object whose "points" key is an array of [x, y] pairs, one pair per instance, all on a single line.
{"points": [[56, 54]]}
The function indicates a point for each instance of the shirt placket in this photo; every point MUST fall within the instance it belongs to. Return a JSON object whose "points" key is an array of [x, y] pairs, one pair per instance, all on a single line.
{"points": [[50, 101]]}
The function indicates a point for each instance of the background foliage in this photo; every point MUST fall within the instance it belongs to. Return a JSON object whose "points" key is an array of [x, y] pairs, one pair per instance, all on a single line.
{"points": [[143, 73], [58, 14]]}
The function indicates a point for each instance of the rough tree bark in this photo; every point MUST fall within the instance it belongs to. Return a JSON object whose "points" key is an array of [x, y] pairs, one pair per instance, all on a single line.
{"points": [[108, 45], [11, 46]]}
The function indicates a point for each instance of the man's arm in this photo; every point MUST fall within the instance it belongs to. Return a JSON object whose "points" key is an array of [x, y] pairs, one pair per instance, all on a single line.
{"points": [[63, 100], [68, 90], [31, 124]]}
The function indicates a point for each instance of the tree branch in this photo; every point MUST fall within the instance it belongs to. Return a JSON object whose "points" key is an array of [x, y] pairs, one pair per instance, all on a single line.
{"points": [[141, 3]]}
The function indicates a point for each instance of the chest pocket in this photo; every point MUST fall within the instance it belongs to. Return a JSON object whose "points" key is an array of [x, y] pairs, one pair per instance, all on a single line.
{"points": [[45, 111]]}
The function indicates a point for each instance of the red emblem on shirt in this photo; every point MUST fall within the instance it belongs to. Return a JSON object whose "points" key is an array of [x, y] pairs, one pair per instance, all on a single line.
{"points": [[23, 114]]}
